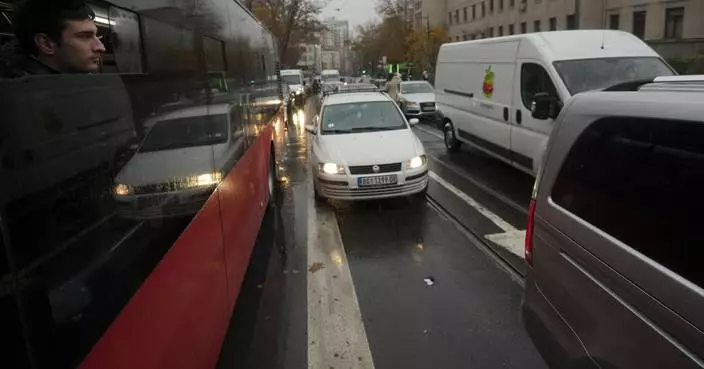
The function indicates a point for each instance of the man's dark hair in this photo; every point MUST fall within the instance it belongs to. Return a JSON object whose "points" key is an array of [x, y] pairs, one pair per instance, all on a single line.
{"points": [[48, 17]]}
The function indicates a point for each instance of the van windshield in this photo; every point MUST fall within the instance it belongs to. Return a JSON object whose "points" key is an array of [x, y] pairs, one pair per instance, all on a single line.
{"points": [[293, 79], [331, 77], [594, 74]]}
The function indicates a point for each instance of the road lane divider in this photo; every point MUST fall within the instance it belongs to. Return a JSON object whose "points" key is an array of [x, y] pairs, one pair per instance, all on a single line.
{"points": [[511, 239], [336, 334]]}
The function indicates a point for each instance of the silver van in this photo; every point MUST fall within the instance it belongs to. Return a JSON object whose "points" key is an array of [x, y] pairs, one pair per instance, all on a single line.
{"points": [[613, 244]]}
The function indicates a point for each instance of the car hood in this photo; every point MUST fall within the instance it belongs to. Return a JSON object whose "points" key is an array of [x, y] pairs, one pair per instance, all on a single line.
{"points": [[168, 165], [370, 147], [420, 97]]}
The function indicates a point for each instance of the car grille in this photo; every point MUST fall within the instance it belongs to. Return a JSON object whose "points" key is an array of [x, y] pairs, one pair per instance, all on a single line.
{"points": [[427, 106], [368, 169]]}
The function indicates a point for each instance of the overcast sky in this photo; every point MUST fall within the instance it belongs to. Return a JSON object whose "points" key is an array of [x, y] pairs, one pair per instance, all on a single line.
{"points": [[357, 12]]}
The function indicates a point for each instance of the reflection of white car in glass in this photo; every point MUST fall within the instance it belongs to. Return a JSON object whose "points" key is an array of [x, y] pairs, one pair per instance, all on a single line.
{"points": [[180, 162], [363, 148], [417, 99]]}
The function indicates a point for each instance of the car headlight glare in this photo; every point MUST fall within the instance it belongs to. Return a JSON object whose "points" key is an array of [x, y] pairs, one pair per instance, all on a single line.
{"points": [[417, 162], [332, 168], [206, 179], [123, 189]]}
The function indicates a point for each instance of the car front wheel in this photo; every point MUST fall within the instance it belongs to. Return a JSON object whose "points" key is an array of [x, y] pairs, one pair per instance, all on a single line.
{"points": [[451, 142]]}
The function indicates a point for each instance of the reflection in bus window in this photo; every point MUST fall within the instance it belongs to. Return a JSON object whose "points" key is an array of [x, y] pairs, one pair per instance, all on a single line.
{"points": [[126, 41], [186, 132]]}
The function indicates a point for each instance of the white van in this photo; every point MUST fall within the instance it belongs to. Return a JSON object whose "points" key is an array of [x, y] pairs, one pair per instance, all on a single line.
{"points": [[293, 78], [501, 94]]}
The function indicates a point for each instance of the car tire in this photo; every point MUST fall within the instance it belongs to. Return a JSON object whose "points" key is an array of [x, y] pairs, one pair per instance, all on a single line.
{"points": [[451, 142]]}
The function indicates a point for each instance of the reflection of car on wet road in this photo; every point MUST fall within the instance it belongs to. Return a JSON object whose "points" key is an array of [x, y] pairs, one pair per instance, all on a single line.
{"points": [[613, 243], [180, 161], [417, 99], [363, 148]]}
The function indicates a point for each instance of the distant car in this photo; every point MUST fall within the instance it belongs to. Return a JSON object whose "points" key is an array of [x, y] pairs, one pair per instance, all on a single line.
{"points": [[181, 160], [364, 148], [613, 242], [417, 99]]}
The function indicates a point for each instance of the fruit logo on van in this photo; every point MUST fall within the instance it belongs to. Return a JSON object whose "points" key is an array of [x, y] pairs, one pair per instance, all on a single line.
{"points": [[488, 86]]}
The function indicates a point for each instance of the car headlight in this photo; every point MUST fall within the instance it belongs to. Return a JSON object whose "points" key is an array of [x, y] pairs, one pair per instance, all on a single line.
{"points": [[205, 179], [331, 168], [123, 190], [417, 162]]}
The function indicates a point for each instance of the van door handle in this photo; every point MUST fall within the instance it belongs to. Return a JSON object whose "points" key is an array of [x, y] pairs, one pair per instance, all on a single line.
{"points": [[518, 117], [506, 114]]}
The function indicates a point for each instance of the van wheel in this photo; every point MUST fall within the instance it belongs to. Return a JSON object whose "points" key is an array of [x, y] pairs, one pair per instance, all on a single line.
{"points": [[451, 142]]}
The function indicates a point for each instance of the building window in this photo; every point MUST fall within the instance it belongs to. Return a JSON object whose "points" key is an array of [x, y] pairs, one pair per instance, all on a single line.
{"points": [[553, 24], [491, 6], [674, 21], [571, 22], [464, 37], [614, 21], [483, 9], [536, 25], [464, 13], [512, 3], [611, 174], [450, 17], [491, 32], [639, 24], [458, 38], [524, 28], [510, 29], [501, 31], [457, 16], [474, 11], [501, 5]]}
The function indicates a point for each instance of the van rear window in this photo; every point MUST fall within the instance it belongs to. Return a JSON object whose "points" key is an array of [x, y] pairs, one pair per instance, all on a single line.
{"points": [[641, 181]]}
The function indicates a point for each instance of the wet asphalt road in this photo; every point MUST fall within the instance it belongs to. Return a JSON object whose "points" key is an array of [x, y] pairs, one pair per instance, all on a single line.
{"points": [[432, 291]]}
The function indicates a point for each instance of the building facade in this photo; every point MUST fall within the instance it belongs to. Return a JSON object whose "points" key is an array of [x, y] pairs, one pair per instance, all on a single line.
{"points": [[674, 28], [311, 59]]}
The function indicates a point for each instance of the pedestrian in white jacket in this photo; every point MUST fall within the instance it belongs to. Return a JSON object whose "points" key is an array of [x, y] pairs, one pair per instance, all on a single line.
{"points": [[393, 87]]}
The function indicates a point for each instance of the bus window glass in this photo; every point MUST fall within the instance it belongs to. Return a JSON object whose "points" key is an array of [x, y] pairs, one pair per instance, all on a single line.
{"points": [[125, 37]]}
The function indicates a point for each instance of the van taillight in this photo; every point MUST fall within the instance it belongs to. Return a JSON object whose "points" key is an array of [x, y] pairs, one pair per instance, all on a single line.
{"points": [[528, 251]]}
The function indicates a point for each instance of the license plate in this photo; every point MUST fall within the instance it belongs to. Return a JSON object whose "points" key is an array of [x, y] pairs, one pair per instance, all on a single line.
{"points": [[377, 180]]}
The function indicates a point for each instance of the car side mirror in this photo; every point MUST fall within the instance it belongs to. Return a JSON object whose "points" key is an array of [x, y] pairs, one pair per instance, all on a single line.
{"points": [[310, 128], [413, 121], [545, 106]]}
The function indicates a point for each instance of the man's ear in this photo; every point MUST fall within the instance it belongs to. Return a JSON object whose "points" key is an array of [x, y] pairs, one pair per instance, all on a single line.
{"points": [[44, 44]]}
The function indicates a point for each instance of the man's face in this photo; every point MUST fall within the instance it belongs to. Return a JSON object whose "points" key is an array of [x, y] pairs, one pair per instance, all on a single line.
{"points": [[80, 49]]}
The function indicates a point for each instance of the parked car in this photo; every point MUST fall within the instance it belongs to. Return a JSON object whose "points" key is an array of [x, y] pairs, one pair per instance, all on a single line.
{"points": [[417, 99], [181, 160], [613, 244], [364, 148], [484, 88]]}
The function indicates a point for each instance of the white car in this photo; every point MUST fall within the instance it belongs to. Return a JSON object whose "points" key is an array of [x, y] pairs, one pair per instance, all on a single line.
{"points": [[417, 99], [180, 162], [364, 148]]}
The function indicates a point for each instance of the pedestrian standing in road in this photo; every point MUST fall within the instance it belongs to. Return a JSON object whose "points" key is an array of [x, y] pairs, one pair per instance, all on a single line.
{"points": [[393, 87]]}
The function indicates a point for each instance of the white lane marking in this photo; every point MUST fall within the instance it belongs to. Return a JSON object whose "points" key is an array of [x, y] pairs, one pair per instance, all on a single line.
{"points": [[425, 130], [512, 239], [336, 334]]}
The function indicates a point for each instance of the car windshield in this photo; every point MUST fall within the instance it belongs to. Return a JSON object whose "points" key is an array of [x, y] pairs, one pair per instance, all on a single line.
{"points": [[361, 117], [186, 132], [416, 88], [291, 79], [593, 74]]}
